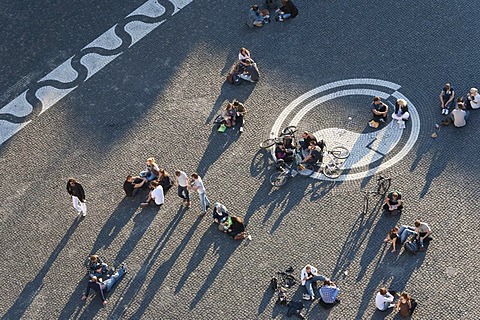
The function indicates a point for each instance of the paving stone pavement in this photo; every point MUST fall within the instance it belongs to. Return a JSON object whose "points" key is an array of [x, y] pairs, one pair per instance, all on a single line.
{"points": [[159, 98]]}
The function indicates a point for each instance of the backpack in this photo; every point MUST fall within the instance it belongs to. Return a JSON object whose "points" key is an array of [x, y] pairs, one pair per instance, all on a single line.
{"points": [[274, 284], [411, 246], [295, 309]]}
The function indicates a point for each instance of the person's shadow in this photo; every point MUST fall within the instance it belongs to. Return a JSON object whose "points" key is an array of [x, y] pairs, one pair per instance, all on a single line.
{"points": [[30, 291]]}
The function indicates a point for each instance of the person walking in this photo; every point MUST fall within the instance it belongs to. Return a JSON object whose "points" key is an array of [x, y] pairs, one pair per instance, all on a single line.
{"points": [[182, 184], [200, 188], [77, 194]]}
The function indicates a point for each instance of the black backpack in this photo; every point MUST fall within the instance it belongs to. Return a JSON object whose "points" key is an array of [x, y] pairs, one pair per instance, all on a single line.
{"points": [[411, 246]]}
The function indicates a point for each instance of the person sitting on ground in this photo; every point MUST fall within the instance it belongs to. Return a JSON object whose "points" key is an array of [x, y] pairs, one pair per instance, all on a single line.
{"points": [[133, 184], [287, 10], [250, 71], [164, 180], [229, 115], [384, 299], [379, 110], [406, 305], [309, 276], [241, 111], [257, 18], [282, 153], [329, 292], [151, 171], [399, 235], [401, 113], [234, 227], [243, 55], [307, 137], [102, 288], [155, 197], [473, 99], [315, 155], [446, 98], [393, 203], [459, 115], [423, 231], [96, 267], [220, 213]]}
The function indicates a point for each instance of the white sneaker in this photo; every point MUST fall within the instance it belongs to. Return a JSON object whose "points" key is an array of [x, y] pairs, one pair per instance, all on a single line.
{"points": [[84, 214], [241, 129], [446, 111], [391, 305], [79, 212], [443, 111], [249, 237], [306, 296]]}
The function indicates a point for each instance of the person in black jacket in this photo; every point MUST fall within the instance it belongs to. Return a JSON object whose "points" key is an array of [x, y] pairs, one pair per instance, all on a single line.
{"points": [[103, 287], [287, 10], [77, 194]]}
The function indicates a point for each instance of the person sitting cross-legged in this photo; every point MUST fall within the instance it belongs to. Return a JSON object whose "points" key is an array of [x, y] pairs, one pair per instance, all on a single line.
{"points": [[220, 213], [423, 231], [379, 110], [155, 197], [406, 305], [315, 153], [287, 11], [309, 276], [96, 267], [103, 287], [384, 299], [393, 203], [329, 293]]}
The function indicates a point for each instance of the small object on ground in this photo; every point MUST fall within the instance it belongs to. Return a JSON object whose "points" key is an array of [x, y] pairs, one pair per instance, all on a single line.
{"points": [[434, 135]]}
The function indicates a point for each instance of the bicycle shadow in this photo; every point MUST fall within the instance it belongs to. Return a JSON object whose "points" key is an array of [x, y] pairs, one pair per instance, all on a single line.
{"points": [[260, 163]]}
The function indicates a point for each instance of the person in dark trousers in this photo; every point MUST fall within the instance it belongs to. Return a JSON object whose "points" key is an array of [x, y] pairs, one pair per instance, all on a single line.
{"points": [[132, 185], [287, 11], [77, 194], [102, 288], [182, 182]]}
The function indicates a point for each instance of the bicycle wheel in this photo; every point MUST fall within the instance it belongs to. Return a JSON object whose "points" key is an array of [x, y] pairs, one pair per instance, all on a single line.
{"points": [[290, 130], [278, 179], [307, 171], [267, 143], [365, 203], [340, 152], [332, 171], [384, 185]]}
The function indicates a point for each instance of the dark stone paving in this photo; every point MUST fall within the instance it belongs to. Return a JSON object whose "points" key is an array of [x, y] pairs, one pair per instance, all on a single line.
{"points": [[159, 99]]}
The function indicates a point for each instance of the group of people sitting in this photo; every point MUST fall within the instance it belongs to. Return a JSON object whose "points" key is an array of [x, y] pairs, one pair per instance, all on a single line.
{"points": [[459, 115], [233, 114], [380, 112], [385, 300], [245, 68], [152, 177], [420, 232], [101, 279], [308, 150], [231, 225], [258, 17], [328, 291]]}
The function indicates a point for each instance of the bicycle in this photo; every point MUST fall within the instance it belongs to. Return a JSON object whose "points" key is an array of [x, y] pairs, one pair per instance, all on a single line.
{"points": [[334, 167], [383, 185], [286, 132], [279, 178]]}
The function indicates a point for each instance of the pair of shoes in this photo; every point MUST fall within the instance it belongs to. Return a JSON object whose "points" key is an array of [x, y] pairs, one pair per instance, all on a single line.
{"points": [[306, 296], [391, 305], [443, 111], [382, 120], [124, 266]]}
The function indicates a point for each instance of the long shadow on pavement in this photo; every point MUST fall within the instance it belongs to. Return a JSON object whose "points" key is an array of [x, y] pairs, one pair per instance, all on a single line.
{"points": [[161, 273], [32, 288]]}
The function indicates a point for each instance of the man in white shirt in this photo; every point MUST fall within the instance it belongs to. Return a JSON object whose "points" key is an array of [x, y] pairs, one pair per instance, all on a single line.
{"points": [[309, 276], [384, 299], [200, 188], [474, 98], [459, 115], [156, 195], [182, 183]]}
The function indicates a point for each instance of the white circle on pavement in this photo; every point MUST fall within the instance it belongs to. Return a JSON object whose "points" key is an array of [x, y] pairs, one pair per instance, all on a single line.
{"points": [[365, 148]]}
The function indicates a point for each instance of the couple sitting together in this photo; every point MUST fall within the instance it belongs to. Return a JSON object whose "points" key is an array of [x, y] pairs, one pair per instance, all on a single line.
{"points": [[233, 226], [421, 233], [328, 292]]}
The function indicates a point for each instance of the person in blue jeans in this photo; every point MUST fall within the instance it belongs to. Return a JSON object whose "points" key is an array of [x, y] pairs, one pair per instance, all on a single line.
{"points": [[103, 287], [287, 11], [309, 276], [202, 193]]}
